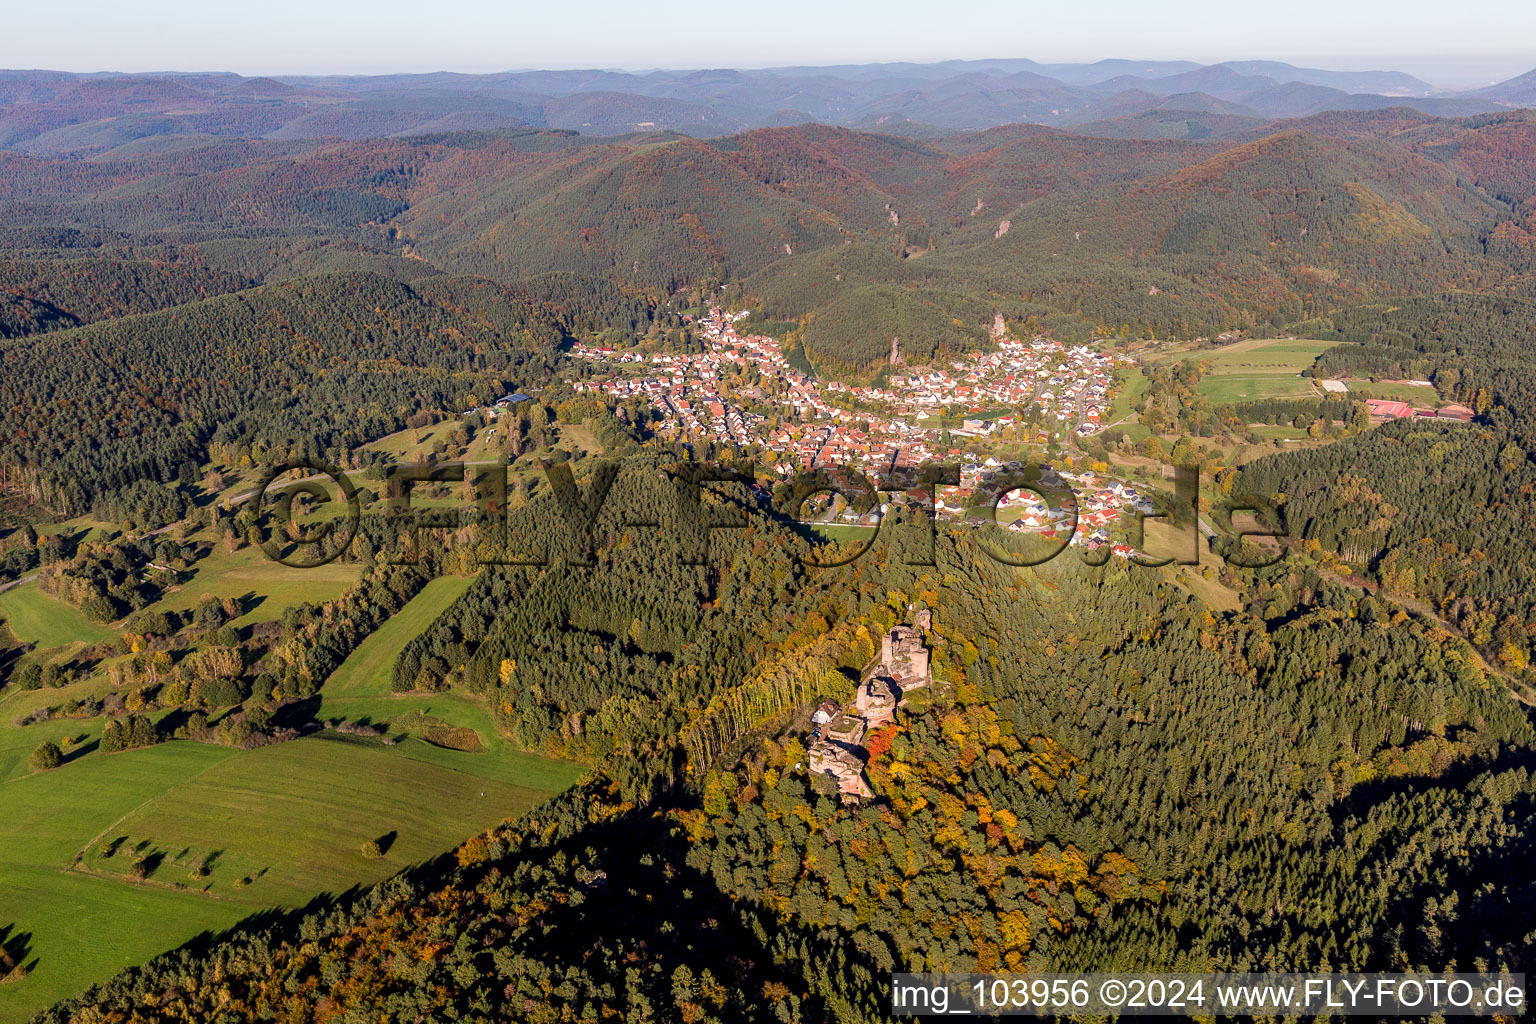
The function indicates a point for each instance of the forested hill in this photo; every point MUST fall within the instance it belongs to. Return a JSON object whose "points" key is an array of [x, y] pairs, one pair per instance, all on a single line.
{"points": [[834, 227], [39, 294], [1445, 516], [306, 368]]}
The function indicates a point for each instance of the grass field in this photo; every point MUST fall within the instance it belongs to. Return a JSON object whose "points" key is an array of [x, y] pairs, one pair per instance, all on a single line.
{"points": [[488, 444], [263, 587], [84, 940], [1212, 593], [1223, 389], [412, 445], [273, 826], [1265, 355], [1280, 432], [284, 822], [367, 670], [497, 760], [359, 692], [841, 531], [1135, 430], [1129, 397], [71, 734], [1255, 368], [223, 833], [1413, 394], [36, 618], [579, 435], [277, 826], [81, 929]]}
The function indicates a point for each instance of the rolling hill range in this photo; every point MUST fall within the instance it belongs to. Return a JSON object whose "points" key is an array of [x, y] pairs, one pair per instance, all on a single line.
{"points": [[1274, 221], [1173, 236], [54, 113]]}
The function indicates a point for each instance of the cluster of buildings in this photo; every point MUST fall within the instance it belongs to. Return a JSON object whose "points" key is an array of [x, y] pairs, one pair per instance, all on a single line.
{"points": [[685, 389], [893, 427], [1388, 409], [1070, 385], [1090, 512], [1392, 409], [1092, 517]]}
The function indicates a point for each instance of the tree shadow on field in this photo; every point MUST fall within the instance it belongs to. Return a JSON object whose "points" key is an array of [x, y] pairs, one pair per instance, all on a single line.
{"points": [[14, 949], [174, 720], [299, 715], [8, 660], [152, 862], [77, 752]]}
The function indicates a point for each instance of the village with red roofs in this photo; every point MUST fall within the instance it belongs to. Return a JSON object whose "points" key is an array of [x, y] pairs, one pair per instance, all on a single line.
{"points": [[805, 424], [882, 428]]}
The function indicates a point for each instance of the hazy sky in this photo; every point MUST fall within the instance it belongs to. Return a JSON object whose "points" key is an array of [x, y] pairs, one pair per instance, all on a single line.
{"points": [[1439, 41]]}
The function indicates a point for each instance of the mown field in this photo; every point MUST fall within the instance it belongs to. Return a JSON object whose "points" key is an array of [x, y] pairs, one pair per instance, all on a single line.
{"points": [[1129, 397], [367, 670], [841, 531], [1223, 389], [263, 588], [1278, 432], [488, 444], [1255, 368], [112, 858], [35, 618]]}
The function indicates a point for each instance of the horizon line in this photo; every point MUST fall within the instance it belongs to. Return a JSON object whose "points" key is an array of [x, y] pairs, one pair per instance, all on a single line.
{"points": [[1316, 63]]}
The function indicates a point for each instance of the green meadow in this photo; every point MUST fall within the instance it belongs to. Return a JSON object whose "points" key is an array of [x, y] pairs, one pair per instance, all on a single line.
{"points": [[1257, 355], [1278, 432], [79, 929], [37, 619], [488, 444], [1129, 397], [368, 669], [1222, 389], [1255, 368], [113, 858], [1413, 394], [263, 587]]}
